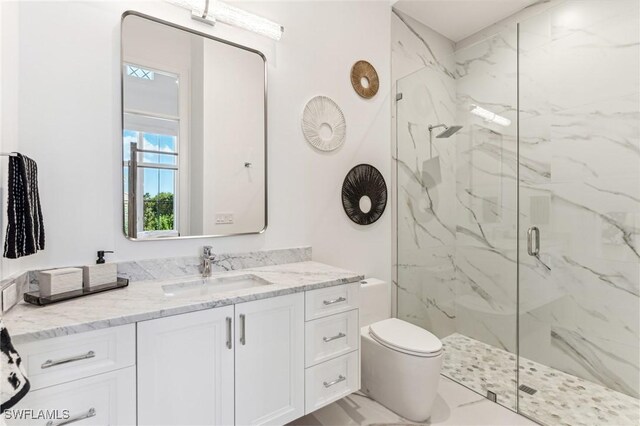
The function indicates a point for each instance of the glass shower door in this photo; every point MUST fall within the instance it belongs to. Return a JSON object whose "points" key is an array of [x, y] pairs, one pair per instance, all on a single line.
{"points": [[483, 352], [518, 236], [457, 211], [579, 196], [426, 185]]}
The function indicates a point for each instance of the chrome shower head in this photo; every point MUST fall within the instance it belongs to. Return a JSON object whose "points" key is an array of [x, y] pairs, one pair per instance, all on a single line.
{"points": [[449, 131]]}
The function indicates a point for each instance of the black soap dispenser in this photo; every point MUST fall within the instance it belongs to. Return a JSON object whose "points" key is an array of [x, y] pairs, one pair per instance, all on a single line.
{"points": [[101, 253]]}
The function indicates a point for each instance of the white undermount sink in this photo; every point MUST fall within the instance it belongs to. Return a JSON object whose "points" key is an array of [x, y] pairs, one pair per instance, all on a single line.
{"points": [[205, 286]]}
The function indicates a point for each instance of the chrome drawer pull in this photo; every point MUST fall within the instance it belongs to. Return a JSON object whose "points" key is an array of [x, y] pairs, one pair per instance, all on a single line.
{"points": [[90, 413], [243, 336], [337, 336], [49, 363], [340, 378], [228, 332], [338, 300]]}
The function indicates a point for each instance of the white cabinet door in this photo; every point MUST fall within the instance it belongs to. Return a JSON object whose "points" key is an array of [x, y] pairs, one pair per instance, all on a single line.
{"points": [[270, 360], [101, 400], [185, 369]]}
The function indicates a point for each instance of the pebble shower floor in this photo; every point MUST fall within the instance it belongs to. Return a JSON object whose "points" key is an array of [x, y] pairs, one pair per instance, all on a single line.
{"points": [[560, 398]]}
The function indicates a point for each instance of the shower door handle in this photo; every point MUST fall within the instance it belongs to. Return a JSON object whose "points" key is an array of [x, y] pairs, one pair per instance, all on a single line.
{"points": [[533, 241]]}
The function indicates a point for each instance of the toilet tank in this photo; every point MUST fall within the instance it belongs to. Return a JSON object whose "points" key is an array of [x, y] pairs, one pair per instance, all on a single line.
{"points": [[375, 301]]}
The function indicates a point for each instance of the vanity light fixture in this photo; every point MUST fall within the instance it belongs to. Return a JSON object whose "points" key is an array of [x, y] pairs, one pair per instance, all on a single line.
{"points": [[234, 16], [212, 11], [490, 116]]}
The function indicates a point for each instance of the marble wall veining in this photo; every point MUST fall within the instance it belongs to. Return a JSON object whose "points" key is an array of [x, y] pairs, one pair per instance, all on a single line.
{"points": [[486, 191], [178, 267], [457, 203], [172, 267], [422, 71], [580, 127], [578, 158]]}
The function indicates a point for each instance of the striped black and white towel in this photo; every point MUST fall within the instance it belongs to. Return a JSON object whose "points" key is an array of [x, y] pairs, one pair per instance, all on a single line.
{"points": [[14, 384], [25, 228]]}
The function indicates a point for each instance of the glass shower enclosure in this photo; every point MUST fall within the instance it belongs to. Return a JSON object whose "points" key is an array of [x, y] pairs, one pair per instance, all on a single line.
{"points": [[518, 236]]}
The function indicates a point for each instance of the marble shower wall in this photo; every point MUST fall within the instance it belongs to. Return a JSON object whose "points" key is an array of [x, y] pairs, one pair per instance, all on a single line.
{"points": [[580, 153], [456, 224], [486, 192], [423, 68], [485, 258], [579, 183], [456, 196]]}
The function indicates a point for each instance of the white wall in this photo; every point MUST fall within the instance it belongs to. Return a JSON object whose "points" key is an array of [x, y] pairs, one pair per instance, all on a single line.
{"points": [[68, 116], [2, 49], [233, 134], [8, 94]]}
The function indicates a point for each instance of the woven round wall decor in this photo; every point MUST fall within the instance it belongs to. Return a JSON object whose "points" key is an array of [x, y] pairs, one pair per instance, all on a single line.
{"points": [[363, 70], [323, 123], [364, 180]]}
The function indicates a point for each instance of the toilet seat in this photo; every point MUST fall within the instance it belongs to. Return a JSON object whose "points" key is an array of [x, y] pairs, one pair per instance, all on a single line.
{"points": [[404, 337]]}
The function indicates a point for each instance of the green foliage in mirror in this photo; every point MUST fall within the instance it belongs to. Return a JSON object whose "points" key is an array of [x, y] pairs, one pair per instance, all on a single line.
{"points": [[158, 212]]}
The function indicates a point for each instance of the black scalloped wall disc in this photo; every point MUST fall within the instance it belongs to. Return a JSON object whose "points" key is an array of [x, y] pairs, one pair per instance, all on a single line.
{"points": [[364, 180]]}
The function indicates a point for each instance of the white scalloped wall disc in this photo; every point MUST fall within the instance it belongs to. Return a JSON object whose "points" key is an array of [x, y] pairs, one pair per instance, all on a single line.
{"points": [[323, 124]]}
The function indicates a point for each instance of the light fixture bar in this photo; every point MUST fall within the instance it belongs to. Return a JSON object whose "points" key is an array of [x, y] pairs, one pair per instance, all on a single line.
{"points": [[490, 116], [232, 15], [212, 11]]}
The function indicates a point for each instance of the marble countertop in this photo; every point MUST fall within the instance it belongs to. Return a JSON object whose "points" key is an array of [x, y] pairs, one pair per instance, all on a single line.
{"points": [[145, 300]]}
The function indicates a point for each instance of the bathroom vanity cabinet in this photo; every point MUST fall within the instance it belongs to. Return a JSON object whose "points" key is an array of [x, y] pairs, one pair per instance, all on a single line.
{"points": [[266, 361], [186, 365]]}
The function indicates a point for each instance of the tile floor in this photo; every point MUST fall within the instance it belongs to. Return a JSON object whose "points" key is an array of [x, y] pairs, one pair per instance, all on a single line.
{"points": [[561, 399], [455, 405]]}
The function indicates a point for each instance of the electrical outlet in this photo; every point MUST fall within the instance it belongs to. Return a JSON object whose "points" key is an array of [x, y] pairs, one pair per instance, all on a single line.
{"points": [[224, 218]]}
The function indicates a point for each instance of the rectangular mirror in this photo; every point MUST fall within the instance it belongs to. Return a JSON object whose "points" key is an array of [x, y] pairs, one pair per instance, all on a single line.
{"points": [[193, 133]]}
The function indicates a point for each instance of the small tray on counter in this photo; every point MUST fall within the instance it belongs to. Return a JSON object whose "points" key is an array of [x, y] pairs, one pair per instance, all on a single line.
{"points": [[35, 299]]}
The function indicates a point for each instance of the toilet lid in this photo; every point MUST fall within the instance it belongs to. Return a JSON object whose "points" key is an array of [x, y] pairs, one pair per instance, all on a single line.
{"points": [[405, 337]]}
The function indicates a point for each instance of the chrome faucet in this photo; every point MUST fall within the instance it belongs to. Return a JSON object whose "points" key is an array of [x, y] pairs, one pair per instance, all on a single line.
{"points": [[208, 259]]}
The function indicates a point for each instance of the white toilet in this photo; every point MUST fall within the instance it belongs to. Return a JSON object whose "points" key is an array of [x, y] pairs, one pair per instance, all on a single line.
{"points": [[400, 361]]}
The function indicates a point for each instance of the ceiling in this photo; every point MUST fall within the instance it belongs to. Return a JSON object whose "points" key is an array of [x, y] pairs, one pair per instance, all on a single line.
{"points": [[458, 19]]}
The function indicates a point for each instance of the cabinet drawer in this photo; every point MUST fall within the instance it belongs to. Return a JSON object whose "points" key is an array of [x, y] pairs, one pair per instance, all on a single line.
{"points": [[331, 380], [331, 336], [66, 358], [105, 399], [331, 300]]}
